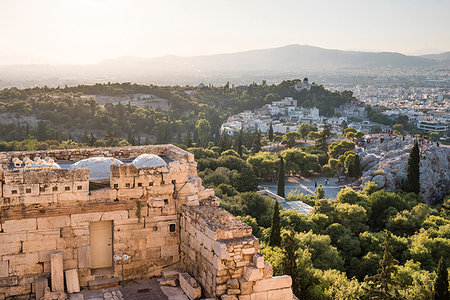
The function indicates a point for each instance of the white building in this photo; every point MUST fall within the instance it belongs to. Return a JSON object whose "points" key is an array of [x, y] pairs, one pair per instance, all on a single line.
{"points": [[432, 126], [305, 85]]}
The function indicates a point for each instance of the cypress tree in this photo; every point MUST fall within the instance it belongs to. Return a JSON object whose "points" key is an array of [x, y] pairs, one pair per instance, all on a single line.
{"points": [[281, 178], [440, 291], [275, 235], [413, 171], [238, 143], [188, 139], [381, 285], [256, 147], [271, 133]]}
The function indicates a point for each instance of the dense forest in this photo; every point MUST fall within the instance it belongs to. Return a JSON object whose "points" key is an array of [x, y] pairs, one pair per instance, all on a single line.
{"points": [[365, 244]]}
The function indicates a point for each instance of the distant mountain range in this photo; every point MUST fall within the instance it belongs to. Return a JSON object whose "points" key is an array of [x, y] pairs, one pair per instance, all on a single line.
{"points": [[273, 62], [283, 59]]}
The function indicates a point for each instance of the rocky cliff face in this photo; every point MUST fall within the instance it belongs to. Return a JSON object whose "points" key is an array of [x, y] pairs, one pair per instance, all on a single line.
{"points": [[391, 156]]}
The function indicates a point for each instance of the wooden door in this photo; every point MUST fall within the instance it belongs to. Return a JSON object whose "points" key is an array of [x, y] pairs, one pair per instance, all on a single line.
{"points": [[101, 244]]}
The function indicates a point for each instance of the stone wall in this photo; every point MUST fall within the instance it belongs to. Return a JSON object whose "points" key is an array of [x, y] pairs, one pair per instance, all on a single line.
{"points": [[142, 203], [170, 151], [222, 254], [161, 216]]}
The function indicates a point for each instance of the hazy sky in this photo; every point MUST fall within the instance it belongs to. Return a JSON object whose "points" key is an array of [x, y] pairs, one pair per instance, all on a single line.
{"points": [[86, 31]]}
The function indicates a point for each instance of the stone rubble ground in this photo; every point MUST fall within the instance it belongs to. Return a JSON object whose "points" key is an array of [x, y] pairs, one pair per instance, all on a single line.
{"points": [[142, 289]]}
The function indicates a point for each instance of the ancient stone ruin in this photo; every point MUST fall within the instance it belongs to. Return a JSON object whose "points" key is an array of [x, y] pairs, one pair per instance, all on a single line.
{"points": [[62, 230]]}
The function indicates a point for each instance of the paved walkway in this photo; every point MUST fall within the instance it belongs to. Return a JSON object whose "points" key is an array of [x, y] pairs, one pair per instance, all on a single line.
{"points": [[306, 185], [148, 289]]}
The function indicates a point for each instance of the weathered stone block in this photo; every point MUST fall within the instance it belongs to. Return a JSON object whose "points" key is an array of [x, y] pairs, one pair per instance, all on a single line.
{"points": [[258, 260], [40, 285], [57, 273], [114, 215], [4, 269], [171, 250], [261, 296], [252, 273], [125, 194], [267, 270], [19, 225], [10, 248], [245, 286], [39, 245], [233, 283], [220, 249], [280, 294], [274, 283], [53, 222], [228, 297], [84, 257], [189, 286], [72, 282], [82, 219]]}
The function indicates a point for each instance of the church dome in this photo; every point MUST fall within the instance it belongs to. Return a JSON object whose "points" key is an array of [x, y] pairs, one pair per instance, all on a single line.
{"points": [[99, 167], [148, 160], [305, 80]]}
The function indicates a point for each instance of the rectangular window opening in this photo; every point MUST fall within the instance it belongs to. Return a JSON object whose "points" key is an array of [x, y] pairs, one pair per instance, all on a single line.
{"points": [[150, 184], [139, 184], [127, 185], [28, 191], [14, 192], [67, 188], [116, 185], [172, 228], [79, 187], [42, 189], [55, 189], [166, 201]]}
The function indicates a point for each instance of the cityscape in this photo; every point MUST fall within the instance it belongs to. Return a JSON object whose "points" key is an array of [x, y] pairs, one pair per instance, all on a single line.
{"points": [[224, 150]]}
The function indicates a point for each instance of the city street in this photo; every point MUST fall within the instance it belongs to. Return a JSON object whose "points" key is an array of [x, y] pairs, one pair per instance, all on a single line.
{"points": [[306, 185]]}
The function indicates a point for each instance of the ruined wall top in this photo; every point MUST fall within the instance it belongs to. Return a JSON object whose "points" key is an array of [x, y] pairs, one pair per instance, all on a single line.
{"points": [[171, 151]]}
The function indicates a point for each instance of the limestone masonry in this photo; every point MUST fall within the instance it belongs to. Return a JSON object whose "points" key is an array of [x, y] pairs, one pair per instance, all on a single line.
{"points": [[62, 230]]}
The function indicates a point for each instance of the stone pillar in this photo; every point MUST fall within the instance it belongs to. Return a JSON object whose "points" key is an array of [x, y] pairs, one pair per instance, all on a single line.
{"points": [[57, 273]]}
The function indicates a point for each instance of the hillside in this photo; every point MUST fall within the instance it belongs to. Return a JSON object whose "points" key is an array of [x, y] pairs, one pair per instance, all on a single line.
{"points": [[247, 66], [441, 56]]}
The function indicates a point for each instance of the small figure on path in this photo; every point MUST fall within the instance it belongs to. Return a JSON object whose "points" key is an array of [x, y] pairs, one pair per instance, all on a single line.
{"points": [[315, 184]]}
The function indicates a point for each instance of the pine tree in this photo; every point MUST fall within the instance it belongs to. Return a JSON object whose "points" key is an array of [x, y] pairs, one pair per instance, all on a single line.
{"points": [[271, 132], [413, 170], [440, 291], [275, 234], [281, 178]]}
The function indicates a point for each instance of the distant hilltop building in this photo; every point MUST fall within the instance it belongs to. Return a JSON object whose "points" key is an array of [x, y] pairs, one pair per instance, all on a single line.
{"points": [[305, 85]]}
